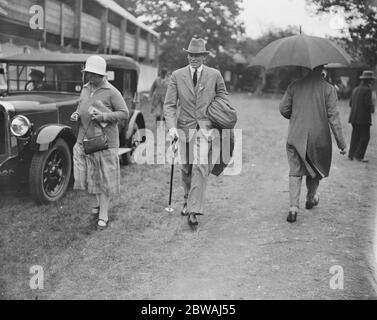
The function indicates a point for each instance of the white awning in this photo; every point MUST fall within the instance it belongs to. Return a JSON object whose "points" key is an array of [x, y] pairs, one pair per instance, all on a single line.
{"points": [[113, 6]]}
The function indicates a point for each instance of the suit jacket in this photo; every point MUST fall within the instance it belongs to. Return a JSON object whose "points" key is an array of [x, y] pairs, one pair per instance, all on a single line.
{"points": [[361, 105], [185, 106]]}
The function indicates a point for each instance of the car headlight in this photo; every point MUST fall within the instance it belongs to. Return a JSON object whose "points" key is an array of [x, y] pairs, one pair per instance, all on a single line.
{"points": [[20, 126]]}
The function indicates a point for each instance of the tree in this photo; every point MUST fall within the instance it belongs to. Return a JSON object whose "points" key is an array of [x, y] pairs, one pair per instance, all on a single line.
{"points": [[276, 79], [361, 31], [178, 21]]}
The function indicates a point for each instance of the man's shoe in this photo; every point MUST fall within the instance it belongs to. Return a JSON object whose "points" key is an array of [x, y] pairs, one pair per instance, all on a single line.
{"points": [[292, 216], [184, 211], [102, 224], [191, 219], [362, 160], [312, 202], [350, 158]]}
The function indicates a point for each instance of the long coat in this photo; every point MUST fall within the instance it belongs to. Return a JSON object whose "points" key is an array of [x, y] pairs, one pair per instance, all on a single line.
{"points": [[186, 106], [311, 105], [361, 105]]}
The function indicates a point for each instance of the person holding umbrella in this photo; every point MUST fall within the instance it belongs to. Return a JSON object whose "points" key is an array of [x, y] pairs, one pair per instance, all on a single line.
{"points": [[310, 104], [362, 107], [190, 91]]}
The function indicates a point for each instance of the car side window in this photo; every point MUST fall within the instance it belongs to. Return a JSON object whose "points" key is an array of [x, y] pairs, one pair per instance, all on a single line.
{"points": [[48, 77]]}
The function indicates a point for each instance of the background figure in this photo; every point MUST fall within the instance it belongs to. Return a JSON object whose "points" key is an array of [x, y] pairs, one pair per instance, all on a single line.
{"points": [[101, 104], [362, 107], [36, 81], [311, 105], [157, 94], [191, 90]]}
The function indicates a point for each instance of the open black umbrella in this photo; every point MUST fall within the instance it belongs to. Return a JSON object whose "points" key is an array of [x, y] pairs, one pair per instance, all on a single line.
{"points": [[301, 50]]}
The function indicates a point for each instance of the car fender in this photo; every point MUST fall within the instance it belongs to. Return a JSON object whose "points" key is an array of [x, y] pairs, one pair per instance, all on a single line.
{"points": [[136, 117], [49, 133]]}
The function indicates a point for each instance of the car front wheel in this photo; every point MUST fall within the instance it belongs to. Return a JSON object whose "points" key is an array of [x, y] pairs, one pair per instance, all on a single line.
{"points": [[50, 172], [137, 137]]}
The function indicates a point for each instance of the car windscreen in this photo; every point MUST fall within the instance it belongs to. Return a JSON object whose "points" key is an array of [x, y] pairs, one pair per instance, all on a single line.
{"points": [[44, 77]]}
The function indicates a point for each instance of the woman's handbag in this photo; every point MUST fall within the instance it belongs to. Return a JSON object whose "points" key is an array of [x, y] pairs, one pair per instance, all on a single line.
{"points": [[96, 143]]}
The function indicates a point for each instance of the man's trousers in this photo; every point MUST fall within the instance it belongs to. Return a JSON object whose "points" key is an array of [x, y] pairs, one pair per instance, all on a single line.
{"points": [[196, 166], [359, 141], [312, 185]]}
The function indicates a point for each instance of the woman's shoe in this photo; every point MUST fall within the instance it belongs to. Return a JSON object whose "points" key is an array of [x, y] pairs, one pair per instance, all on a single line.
{"points": [[184, 211], [292, 216], [102, 224], [191, 219]]}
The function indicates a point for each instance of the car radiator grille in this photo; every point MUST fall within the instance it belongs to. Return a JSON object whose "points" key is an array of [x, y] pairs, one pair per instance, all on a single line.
{"points": [[2, 132]]}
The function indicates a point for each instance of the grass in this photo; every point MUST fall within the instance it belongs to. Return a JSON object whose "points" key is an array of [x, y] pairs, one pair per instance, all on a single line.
{"points": [[121, 262], [54, 236]]}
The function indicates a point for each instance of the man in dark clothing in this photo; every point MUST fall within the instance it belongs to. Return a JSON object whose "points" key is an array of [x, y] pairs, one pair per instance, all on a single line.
{"points": [[36, 81], [360, 117], [157, 94]]}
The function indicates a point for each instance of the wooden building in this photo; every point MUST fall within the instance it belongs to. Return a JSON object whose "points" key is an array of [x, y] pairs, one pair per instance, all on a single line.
{"points": [[98, 26]]}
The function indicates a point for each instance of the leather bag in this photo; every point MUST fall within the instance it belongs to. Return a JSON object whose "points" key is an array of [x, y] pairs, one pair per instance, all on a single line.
{"points": [[96, 143]]}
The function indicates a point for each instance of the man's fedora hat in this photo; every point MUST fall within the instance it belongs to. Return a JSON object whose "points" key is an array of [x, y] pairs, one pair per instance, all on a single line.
{"points": [[197, 46], [368, 74]]}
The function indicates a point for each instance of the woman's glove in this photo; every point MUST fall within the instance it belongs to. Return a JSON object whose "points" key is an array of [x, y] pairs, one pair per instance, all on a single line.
{"points": [[75, 117], [97, 115]]}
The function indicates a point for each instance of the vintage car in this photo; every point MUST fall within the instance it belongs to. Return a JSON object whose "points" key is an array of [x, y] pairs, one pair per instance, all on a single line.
{"points": [[36, 134]]}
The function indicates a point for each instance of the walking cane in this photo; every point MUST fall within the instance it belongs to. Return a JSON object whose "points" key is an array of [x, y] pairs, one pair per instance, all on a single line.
{"points": [[174, 149]]}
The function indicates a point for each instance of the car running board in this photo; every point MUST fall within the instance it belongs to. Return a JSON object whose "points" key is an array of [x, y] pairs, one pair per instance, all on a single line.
{"points": [[122, 151]]}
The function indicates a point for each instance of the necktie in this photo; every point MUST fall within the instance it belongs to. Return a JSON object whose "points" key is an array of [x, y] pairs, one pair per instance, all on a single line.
{"points": [[195, 77]]}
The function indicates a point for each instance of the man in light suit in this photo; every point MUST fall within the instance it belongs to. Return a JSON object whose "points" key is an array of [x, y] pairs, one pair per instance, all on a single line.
{"points": [[190, 91]]}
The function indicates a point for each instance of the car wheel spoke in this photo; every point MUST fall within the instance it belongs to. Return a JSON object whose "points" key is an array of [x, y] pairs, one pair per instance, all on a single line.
{"points": [[53, 174]]}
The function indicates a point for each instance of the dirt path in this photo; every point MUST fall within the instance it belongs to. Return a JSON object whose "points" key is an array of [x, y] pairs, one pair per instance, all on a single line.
{"points": [[246, 249], [243, 248]]}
